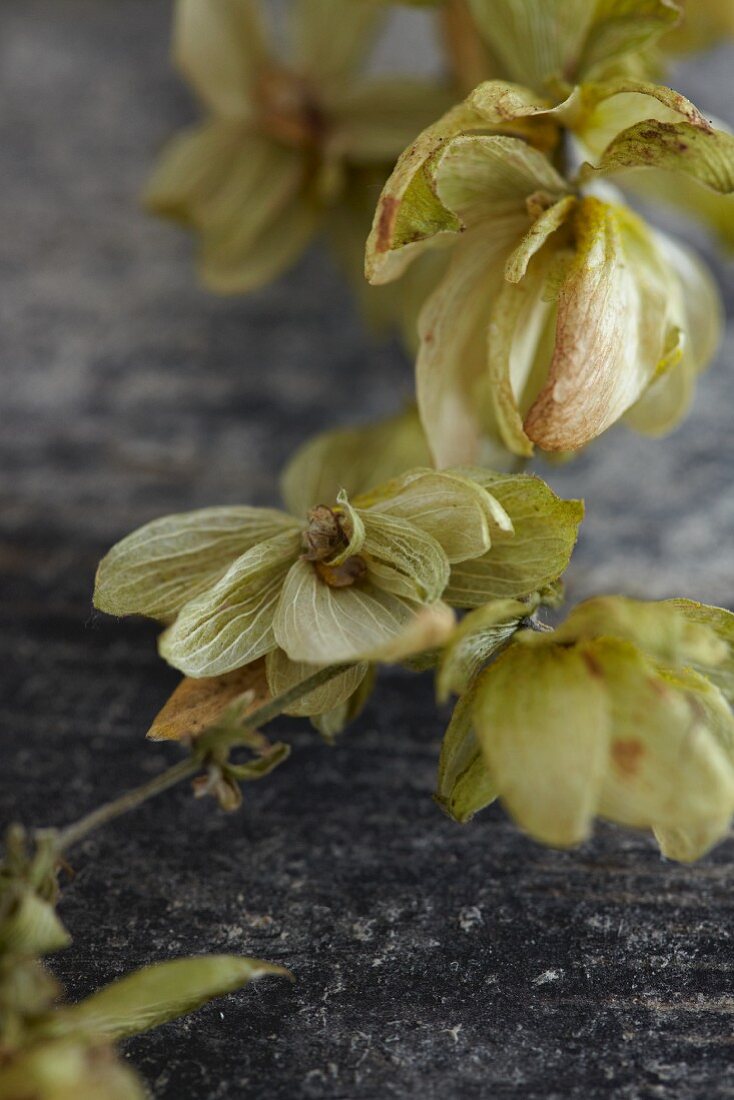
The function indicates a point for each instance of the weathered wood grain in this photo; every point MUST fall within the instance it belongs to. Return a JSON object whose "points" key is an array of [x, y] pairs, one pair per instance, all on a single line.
{"points": [[431, 960]]}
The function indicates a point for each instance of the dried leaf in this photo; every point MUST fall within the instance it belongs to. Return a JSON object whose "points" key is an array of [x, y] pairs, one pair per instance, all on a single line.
{"points": [[197, 705]]}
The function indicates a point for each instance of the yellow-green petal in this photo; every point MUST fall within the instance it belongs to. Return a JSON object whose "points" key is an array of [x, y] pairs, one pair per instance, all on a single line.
{"points": [[705, 155], [330, 38], [231, 623], [355, 459], [219, 46], [541, 717], [167, 563], [325, 625], [402, 558], [284, 674], [535, 555], [464, 785], [479, 635], [660, 629], [666, 768], [451, 369], [454, 510], [374, 120], [721, 622], [612, 331]]}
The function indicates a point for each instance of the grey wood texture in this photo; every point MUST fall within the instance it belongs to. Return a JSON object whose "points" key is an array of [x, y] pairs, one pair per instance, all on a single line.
{"points": [[432, 960]]}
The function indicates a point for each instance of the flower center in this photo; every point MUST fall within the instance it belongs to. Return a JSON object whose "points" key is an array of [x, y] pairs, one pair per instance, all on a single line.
{"points": [[289, 109], [323, 540]]}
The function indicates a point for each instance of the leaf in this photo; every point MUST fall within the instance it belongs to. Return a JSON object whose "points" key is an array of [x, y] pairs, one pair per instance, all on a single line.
{"points": [[354, 459], [219, 47], [160, 567], [284, 674], [541, 718], [545, 533], [196, 705], [231, 624], [464, 785], [158, 993], [478, 637], [402, 558]]}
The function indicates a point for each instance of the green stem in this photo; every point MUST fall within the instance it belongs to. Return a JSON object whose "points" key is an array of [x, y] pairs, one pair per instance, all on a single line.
{"points": [[72, 834], [205, 744]]}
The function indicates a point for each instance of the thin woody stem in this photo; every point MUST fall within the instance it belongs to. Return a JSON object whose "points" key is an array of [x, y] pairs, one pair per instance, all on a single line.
{"points": [[464, 48], [80, 829], [72, 834]]}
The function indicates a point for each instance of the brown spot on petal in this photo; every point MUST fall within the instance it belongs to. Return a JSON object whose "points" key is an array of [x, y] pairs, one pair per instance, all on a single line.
{"points": [[627, 756], [386, 222]]}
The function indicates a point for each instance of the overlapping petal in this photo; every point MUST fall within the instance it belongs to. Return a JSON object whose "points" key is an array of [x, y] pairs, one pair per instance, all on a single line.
{"points": [[220, 47], [324, 625], [549, 43], [453, 509], [330, 38], [602, 716], [167, 563], [354, 459], [545, 529], [545, 745], [231, 623]]}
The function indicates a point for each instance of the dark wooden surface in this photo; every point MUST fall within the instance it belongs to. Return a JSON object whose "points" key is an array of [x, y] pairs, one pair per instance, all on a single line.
{"points": [[431, 960]]}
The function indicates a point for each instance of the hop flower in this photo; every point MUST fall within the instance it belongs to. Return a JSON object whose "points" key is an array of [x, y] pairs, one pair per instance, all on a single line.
{"points": [[561, 311], [354, 581], [622, 712], [291, 145]]}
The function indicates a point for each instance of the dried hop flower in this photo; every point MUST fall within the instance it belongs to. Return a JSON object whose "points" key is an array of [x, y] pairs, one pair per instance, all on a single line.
{"points": [[371, 578], [296, 139], [622, 712], [561, 311]]}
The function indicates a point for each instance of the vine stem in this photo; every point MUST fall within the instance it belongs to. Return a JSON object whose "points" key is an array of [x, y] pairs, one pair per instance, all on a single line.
{"points": [[78, 830], [463, 45]]}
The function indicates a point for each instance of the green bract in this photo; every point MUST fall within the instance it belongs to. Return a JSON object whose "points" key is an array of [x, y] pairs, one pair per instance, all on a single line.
{"points": [[560, 311], [354, 581], [295, 141], [54, 1051], [617, 713]]}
